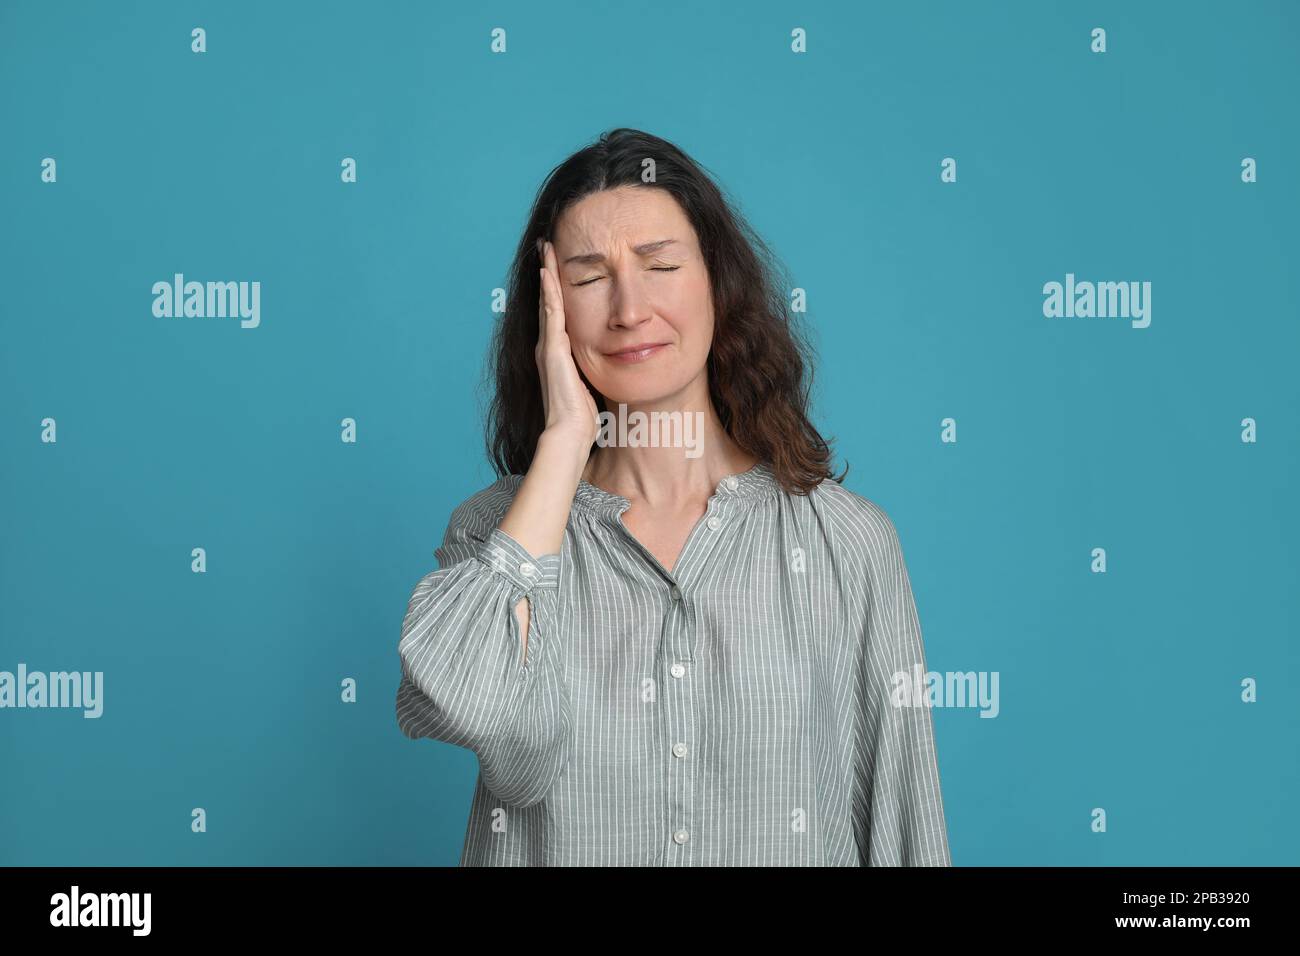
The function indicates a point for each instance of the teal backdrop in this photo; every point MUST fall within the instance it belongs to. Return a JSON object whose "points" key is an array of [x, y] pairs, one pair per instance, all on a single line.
{"points": [[1120, 690]]}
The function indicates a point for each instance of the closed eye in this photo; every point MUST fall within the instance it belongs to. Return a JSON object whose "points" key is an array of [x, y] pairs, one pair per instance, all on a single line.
{"points": [[652, 269]]}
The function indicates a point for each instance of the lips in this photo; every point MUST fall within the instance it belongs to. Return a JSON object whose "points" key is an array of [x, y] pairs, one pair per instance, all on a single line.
{"points": [[637, 353]]}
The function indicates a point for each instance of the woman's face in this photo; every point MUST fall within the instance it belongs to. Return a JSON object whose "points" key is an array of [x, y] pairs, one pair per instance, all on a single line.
{"points": [[625, 286]]}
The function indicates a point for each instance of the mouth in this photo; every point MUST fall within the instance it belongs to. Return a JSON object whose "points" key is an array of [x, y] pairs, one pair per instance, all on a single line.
{"points": [[637, 353]]}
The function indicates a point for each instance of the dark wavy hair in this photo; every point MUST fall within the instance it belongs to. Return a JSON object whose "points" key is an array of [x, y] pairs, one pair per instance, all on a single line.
{"points": [[760, 363]]}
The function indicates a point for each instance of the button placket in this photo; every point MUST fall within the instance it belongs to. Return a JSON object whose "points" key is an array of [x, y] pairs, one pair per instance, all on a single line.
{"points": [[677, 718], [678, 727]]}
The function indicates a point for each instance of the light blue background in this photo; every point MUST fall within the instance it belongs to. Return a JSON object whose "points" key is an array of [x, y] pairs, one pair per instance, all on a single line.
{"points": [[1118, 691]]}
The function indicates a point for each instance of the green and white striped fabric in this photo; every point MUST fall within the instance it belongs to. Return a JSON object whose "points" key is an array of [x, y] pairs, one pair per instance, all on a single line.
{"points": [[734, 712]]}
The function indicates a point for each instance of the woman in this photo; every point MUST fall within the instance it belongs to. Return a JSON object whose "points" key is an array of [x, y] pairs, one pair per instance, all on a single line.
{"points": [[667, 653]]}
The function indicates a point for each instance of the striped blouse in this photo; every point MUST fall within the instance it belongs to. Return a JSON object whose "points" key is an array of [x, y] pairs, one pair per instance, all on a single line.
{"points": [[736, 711]]}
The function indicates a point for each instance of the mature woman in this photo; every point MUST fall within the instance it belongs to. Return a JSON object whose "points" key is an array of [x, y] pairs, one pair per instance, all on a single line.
{"points": [[667, 653]]}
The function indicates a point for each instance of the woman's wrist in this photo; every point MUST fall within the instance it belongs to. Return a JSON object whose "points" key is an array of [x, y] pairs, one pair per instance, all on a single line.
{"points": [[540, 511], [564, 447]]}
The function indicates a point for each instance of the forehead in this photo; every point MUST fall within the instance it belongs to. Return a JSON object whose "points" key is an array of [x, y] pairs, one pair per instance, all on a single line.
{"points": [[627, 215]]}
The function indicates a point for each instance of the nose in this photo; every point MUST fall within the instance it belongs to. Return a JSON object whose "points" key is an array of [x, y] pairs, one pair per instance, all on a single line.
{"points": [[631, 305]]}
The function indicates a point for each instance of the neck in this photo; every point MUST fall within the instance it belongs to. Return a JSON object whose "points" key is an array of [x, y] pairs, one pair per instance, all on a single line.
{"points": [[671, 475]]}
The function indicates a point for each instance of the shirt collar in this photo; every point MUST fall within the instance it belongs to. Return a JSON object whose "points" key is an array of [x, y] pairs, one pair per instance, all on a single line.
{"points": [[753, 485]]}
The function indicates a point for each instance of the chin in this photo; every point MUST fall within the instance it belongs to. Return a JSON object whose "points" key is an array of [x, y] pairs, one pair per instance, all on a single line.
{"points": [[646, 383], [631, 394]]}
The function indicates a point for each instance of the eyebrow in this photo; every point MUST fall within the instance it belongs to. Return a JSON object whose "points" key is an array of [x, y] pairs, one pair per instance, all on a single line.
{"points": [[645, 249]]}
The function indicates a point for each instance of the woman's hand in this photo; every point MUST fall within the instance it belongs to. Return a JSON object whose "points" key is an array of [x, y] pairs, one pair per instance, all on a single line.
{"points": [[539, 513], [569, 408]]}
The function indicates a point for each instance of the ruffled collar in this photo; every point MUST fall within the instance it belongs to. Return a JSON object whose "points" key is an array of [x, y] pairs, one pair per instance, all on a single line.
{"points": [[757, 483]]}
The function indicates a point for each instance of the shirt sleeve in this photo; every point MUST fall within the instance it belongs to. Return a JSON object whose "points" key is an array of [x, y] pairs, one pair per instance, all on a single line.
{"points": [[465, 678], [899, 804]]}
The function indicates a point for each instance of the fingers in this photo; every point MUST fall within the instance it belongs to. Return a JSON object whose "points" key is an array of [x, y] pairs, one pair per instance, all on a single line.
{"points": [[552, 298], [541, 306], [543, 329]]}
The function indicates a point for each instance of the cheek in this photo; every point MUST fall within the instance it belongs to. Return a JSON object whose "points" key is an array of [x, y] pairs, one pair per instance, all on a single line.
{"points": [[582, 323], [691, 311], [584, 341]]}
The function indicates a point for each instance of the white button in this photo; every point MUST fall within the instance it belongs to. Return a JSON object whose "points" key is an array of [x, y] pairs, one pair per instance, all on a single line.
{"points": [[528, 570], [731, 482], [714, 522], [679, 750], [680, 837], [677, 670], [675, 593]]}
